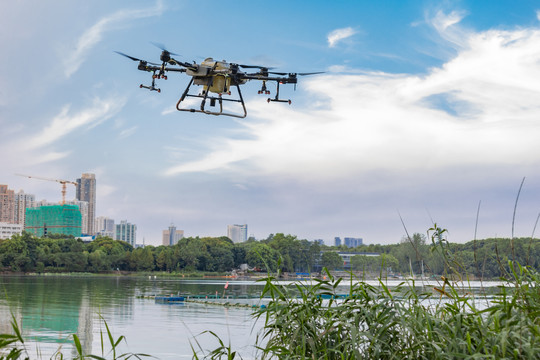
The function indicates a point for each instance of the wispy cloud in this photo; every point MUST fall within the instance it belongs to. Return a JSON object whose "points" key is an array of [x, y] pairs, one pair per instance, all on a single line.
{"points": [[127, 132], [447, 25], [335, 36], [34, 149], [95, 34], [66, 122]]}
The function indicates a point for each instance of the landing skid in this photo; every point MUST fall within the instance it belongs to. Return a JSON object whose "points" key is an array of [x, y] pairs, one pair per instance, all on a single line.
{"points": [[277, 99], [213, 100]]}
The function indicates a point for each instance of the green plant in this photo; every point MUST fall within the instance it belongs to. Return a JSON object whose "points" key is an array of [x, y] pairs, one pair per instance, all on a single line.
{"points": [[12, 347]]}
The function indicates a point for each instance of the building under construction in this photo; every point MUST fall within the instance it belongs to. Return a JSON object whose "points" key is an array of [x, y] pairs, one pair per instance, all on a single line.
{"points": [[55, 219]]}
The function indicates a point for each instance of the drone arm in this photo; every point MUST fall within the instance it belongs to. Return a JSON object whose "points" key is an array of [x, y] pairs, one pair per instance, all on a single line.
{"points": [[283, 80], [159, 68]]}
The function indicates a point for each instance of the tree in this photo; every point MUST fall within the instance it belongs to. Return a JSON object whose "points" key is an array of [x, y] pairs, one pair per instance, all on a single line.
{"points": [[192, 251], [219, 254], [411, 252], [164, 259], [331, 260], [263, 257], [98, 261]]}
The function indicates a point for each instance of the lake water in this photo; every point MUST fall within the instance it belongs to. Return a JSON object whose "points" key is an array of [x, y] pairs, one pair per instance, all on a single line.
{"points": [[50, 309]]}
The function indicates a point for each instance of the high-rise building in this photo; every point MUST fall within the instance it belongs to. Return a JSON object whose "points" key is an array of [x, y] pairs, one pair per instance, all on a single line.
{"points": [[353, 242], [55, 219], [337, 241], [237, 233], [22, 202], [7, 205], [126, 232], [172, 236], [86, 191], [8, 230], [84, 207], [104, 226]]}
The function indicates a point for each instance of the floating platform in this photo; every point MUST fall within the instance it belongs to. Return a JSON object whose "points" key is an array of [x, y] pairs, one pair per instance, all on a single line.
{"points": [[169, 299]]}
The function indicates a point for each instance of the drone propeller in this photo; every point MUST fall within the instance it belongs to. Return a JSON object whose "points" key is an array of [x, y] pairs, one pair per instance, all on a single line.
{"points": [[255, 67], [134, 58], [311, 73], [163, 48]]}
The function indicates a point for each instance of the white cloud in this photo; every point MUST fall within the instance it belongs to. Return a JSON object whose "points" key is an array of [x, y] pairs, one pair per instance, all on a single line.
{"points": [[127, 132], [35, 149], [67, 122], [443, 21], [447, 25], [478, 110], [94, 34], [338, 35]]}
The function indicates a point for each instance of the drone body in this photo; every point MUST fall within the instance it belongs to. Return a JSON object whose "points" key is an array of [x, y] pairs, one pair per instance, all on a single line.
{"points": [[216, 78]]}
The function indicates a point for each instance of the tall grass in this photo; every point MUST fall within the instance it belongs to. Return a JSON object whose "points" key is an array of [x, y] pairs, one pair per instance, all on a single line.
{"points": [[13, 347], [411, 321], [407, 322], [319, 321]]}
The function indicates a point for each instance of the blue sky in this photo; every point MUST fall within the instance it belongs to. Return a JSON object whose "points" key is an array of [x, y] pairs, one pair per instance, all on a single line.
{"points": [[426, 109]]}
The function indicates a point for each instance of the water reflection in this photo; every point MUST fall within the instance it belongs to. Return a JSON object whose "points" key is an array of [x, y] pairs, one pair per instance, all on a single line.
{"points": [[50, 309]]}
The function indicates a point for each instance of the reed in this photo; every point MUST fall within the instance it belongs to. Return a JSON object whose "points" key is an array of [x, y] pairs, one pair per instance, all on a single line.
{"points": [[407, 322], [13, 347], [410, 321]]}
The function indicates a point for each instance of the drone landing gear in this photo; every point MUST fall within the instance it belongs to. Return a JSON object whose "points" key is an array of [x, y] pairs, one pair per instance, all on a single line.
{"points": [[153, 86], [213, 99], [277, 99]]}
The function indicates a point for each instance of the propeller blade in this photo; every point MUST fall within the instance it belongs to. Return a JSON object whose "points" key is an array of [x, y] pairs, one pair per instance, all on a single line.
{"points": [[129, 57], [278, 73], [134, 58], [255, 67], [162, 47], [311, 73]]}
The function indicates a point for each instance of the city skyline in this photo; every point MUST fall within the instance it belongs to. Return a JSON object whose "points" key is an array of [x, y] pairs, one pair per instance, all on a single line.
{"points": [[106, 226], [426, 112]]}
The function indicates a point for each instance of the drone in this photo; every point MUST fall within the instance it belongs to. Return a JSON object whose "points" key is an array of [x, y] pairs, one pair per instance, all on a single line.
{"points": [[216, 78]]}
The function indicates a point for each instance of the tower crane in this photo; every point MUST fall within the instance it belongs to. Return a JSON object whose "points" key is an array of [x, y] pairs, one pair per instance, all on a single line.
{"points": [[63, 182]]}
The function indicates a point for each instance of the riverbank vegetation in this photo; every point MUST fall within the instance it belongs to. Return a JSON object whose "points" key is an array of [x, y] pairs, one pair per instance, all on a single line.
{"points": [[324, 320], [451, 320], [479, 259], [377, 322]]}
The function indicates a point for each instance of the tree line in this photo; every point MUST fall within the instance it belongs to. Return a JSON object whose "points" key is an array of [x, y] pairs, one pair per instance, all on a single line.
{"points": [[486, 258]]}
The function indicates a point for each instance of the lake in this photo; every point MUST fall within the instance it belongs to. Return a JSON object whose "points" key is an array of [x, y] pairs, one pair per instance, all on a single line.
{"points": [[50, 309]]}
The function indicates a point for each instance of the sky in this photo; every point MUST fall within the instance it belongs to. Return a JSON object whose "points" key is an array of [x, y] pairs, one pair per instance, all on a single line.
{"points": [[427, 112]]}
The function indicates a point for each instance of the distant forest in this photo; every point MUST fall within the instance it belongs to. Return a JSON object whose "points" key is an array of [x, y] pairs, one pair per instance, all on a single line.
{"points": [[488, 258]]}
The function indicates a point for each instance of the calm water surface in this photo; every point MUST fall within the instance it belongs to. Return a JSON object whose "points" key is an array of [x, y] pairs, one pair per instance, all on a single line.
{"points": [[52, 308]]}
